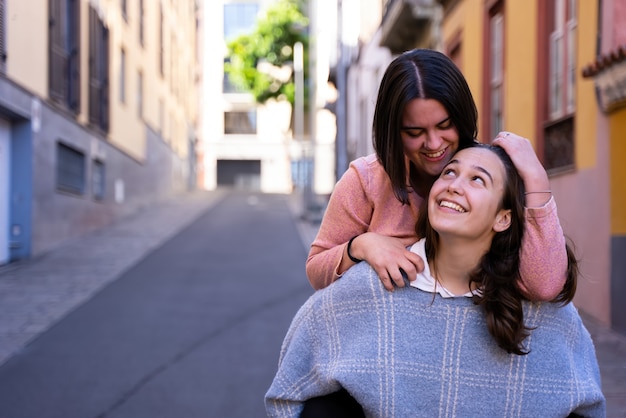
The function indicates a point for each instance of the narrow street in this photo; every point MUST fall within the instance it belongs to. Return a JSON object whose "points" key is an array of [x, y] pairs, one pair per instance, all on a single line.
{"points": [[192, 330]]}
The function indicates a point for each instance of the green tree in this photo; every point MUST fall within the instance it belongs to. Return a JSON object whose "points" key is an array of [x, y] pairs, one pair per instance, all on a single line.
{"points": [[258, 61]]}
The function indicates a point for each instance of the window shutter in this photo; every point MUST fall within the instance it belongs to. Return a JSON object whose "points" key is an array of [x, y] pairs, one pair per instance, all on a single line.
{"points": [[105, 78], [3, 45], [57, 53], [74, 56], [94, 83], [98, 72]]}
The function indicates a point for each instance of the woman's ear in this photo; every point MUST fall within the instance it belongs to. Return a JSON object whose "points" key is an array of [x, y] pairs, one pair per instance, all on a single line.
{"points": [[503, 220]]}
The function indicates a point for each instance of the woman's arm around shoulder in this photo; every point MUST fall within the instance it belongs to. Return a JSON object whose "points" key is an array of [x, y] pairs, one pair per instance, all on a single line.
{"points": [[543, 259], [348, 214]]}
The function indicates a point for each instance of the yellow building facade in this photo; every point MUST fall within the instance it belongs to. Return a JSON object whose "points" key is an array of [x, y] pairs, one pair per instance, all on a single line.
{"points": [[543, 69], [524, 62]]}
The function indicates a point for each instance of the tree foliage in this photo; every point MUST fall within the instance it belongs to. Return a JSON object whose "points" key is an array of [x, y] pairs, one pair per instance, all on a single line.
{"points": [[257, 61]]}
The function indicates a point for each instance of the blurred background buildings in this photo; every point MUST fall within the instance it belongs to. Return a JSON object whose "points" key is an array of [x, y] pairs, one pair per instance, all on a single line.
{"points": [[110, 105]]}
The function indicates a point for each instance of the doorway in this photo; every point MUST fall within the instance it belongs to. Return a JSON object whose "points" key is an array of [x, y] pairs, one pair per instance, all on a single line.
{"points": [[241, 174]]}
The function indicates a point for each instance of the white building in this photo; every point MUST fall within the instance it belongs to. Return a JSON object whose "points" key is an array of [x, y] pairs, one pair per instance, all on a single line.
{"points": [[252, 146]]}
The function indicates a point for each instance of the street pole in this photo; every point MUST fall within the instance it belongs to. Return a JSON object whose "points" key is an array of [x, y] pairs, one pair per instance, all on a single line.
{"points": [[340, 111], [298, 121]]}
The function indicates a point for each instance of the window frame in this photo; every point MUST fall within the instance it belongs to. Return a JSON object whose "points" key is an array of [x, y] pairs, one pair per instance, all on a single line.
{"points": [[3, 37], [70, 169], [494, 78], [64, 53], [142, 22], [122, 79], [556, 84], [244, 122], [140, 94], [98, 72]]}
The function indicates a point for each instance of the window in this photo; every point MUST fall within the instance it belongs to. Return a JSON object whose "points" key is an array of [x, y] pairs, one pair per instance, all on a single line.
{"points": [[70, 169], [63, 52], [141, 22], [3, 39], [98, 72], [557, 31], [161, 40], [122, 76], [239, 18], [172, 68], [97, 180], [140, 95], [494, 83], [239, 122], [562, 59], [228, 86]]}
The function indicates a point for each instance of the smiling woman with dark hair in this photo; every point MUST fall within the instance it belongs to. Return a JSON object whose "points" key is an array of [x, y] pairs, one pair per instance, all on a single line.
{"points": [[461, 340]]}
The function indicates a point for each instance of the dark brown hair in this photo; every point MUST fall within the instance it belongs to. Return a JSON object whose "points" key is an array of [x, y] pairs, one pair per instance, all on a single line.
{"points": [[418, 74], [497, 274]]}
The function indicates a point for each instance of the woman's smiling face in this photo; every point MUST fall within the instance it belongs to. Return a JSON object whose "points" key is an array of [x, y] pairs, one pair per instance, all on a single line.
{"points": [[465, 201], [428, 136]]}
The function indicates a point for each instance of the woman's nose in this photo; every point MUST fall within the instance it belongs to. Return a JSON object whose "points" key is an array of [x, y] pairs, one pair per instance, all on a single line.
{"points": [[433, 140], [456, 186]]}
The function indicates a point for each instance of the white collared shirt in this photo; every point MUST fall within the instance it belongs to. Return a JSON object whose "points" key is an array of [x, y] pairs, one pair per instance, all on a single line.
{"points": [[425, 281]]}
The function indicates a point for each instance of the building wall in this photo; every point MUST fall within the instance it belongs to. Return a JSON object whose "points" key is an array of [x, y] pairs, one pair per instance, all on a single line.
{"points": [[364, 80], [273, 144], [464, 24], [618, 220], [129, 186], [323, 13], [127, 129], [146, 156], [582, 195], [611, 116], [617, 129], [590, 194], [27, 25]]}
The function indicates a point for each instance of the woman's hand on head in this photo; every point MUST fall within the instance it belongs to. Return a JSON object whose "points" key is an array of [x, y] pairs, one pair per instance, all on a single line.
{"points": [[389, 257], [523, 155]]}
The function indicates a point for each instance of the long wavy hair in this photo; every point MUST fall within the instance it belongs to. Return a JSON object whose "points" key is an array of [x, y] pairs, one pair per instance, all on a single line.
{"points": [[497, 274], [418, 74]]}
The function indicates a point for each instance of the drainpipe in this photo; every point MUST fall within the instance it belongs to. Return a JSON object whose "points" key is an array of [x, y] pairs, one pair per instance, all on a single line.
{"points": [[340, 113]]}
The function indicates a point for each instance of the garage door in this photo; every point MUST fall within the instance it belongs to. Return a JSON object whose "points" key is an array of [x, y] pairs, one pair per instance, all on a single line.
{"points": [[240, 174]]}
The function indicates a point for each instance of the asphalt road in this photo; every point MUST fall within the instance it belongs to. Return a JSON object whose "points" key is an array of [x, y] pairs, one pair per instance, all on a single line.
{"points": [[193, 330]]}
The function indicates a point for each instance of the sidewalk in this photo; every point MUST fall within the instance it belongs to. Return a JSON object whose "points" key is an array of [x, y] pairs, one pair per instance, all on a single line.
{"points": [[611, 353], [37, 293]]}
